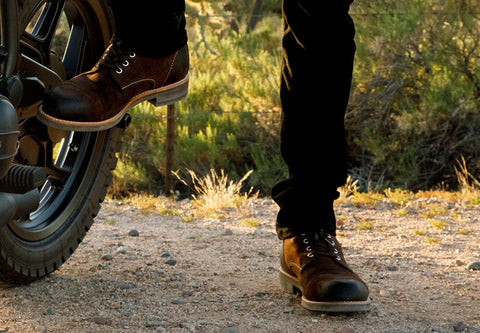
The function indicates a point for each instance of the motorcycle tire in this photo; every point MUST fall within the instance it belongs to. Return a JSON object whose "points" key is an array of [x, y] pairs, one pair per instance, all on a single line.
{"points": [[40, 243]]}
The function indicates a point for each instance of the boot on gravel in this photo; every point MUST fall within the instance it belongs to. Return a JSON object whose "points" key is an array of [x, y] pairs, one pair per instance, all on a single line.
{"points": [[313, 264]]}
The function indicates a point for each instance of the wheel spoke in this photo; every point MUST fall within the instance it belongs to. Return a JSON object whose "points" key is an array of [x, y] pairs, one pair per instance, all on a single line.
{"points": [[75, 51], [47, 22], [39, 40]]}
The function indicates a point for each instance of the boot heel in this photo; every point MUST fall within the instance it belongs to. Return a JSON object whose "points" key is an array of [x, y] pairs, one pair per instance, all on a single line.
{"points": [[287, 284], [170, 96]]}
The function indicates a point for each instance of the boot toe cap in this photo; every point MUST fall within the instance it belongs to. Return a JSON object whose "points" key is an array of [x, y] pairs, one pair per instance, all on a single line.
{"points": [[63, 106], [336, 291]]}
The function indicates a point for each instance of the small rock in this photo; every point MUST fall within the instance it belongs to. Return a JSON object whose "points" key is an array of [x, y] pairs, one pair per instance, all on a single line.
{"points": [[50, 311], [133, 233], [231, 329], [99, 320], [257, 325], [171, 262], [257, 232], [154, 322], [384, 293], [474, 266], [178, 301], [459, 326], [124, 286], [194, 284], [107, 257], [458, 262], [165, 255], [435, 297], [122, 249], [228, 232]]}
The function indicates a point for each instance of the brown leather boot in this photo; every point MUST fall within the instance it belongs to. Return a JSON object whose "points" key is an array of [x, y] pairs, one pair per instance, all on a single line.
{"points": [[98, 99], [314, 265]]}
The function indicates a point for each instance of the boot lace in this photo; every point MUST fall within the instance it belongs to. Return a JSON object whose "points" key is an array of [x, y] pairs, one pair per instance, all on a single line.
{"points": [[321, 244], [116, 58]]}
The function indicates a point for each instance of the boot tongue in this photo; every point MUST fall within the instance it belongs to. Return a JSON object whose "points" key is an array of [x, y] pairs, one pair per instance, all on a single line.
{"points": [[113, 55], [109, 63]]}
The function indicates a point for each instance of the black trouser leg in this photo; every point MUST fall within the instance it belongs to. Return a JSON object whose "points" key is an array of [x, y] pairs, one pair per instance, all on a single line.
{"points": [[318, 52], [150, 27]]}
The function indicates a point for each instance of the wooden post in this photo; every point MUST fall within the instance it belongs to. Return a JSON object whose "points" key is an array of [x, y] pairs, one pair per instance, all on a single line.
{"points": [[169, 149]]}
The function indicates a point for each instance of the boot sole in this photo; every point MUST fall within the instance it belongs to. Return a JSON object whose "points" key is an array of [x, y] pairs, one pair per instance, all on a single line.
{"points": [[290, 284], [161, 96]]}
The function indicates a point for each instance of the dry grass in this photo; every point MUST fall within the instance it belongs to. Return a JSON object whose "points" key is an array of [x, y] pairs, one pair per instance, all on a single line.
{"points": [[215, 192], [468, 194]]}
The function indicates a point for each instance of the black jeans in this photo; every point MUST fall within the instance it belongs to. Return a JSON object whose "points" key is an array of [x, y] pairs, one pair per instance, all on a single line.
{"points": [[318, 51], [153, 28]]}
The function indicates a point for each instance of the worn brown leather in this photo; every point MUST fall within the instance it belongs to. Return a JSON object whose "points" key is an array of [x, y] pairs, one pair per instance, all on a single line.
{"points": [[315, 262], [103, 94]]}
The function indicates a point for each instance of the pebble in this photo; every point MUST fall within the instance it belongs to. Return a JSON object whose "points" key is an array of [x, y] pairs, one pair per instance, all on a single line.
{"points": [[178, 301], [231, 329], [133, 233], [171, 262], [50, 311], [37, 325], [459, 326], [474, 266], [384, 293], [122, 249], [99, 320], [107, 257], [153, 322], [165, 255], [228, 232], [124, 286]]}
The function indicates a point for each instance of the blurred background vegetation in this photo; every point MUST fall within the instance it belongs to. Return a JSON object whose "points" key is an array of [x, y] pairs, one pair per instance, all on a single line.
{"points": [[413, 111]]}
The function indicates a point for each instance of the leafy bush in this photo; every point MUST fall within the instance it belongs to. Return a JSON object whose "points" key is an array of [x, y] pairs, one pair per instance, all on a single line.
{"points": [[413, 110], [230, 120], [414, 107]]}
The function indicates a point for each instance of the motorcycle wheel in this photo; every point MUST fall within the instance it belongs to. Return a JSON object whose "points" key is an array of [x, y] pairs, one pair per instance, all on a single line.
{"points": [[82, 163]]}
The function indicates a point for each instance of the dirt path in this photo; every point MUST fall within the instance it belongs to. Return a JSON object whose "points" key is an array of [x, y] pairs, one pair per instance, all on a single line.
{"points": [[220, 275]]}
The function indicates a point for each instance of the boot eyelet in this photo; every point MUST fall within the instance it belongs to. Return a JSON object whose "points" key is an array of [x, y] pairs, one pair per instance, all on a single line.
{"points": [[338, 258], [331, 242], [305, 241], [119, 71], [335, 251], [309, 248], [132, 55], [125, 63], [310, 255]]}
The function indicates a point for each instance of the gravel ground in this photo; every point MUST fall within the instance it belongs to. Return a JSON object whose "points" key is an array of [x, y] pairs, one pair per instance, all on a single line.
{"points": [[146, 271]]}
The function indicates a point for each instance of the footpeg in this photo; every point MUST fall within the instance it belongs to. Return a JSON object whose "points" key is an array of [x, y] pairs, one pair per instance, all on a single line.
{"points": [[22, 178], [15, 206]]}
